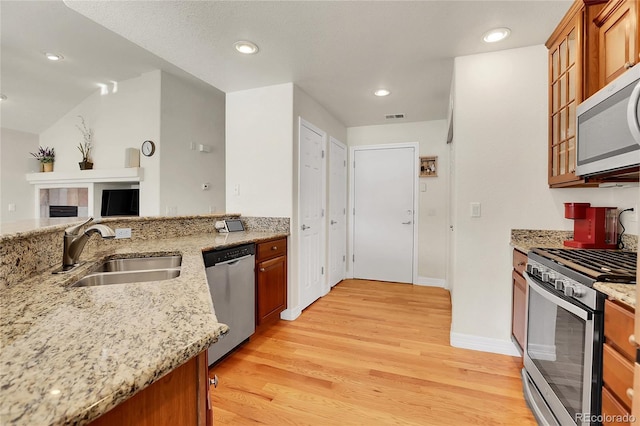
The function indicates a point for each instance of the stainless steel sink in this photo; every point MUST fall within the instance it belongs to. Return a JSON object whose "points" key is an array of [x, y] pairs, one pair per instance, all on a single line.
{"points": [[132, 270], [105, 278], [140, 264]]}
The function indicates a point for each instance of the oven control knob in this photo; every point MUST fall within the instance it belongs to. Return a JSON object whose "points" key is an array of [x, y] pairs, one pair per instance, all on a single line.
{"points": [[548, 277], [571, 290], [529, 268], [559, 284]]}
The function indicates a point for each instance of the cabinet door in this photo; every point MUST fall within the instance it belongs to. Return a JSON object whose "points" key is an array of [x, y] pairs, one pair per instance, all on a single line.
{"points": [[519, 308], [618, 38], [272, 289], [565, 92]]}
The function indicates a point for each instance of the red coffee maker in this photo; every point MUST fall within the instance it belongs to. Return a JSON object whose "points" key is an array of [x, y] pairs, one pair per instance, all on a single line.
{"points": [[593, 227]]}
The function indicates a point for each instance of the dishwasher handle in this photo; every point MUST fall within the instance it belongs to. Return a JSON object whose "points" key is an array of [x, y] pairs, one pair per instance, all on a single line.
{"points": [[233, 261]]}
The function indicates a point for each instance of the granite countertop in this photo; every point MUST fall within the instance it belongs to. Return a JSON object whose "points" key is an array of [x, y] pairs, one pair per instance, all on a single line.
{"points": [[625, 293], [71, 354]]}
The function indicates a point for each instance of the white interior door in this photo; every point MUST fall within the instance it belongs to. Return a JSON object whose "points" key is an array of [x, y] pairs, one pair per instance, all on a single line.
{"points": [[337, 212], [311, 213], [384, 194]]}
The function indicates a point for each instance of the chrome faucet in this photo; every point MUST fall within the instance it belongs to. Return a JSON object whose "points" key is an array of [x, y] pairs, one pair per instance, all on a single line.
{"points": [[74, 242]]}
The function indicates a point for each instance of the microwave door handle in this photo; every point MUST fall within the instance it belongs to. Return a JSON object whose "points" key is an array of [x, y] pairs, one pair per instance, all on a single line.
{"points": [[632, 113]]}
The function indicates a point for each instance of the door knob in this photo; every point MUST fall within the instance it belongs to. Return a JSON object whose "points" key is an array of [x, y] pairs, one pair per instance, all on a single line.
{"points": [[214, 381], [333, 222], [304, 227], [406, 223]]}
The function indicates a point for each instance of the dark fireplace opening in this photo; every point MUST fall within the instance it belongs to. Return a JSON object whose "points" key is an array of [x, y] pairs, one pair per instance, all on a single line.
{"points": [[63, 211]]}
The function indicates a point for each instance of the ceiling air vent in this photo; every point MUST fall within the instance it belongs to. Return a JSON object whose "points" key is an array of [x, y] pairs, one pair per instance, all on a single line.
{"points": [[394, 116]]}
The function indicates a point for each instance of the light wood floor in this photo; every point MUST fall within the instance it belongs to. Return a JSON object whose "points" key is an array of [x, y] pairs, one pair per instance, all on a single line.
{"points": [[368, 353]]}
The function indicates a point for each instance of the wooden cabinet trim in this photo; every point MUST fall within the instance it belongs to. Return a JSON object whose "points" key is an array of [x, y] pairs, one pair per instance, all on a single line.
{"points": [[617, 374], [519, 261], [618, 326], [610, 8], [611, 407], [566, 21]]}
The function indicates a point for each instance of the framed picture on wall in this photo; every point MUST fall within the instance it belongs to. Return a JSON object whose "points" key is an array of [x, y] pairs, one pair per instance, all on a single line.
{"points": [[428, 166]]}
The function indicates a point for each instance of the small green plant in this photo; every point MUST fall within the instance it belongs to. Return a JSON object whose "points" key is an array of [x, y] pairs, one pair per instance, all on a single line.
{"points": [[45, 155], [85, 146]]}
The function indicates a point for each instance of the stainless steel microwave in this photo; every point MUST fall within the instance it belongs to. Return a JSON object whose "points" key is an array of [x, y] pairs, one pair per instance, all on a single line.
{"points": [[608, 127]]}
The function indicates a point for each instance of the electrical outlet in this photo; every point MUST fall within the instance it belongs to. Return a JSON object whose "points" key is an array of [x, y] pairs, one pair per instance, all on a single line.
{"points": [[634, 214], [123, 233], [236, 190], [476, 210], [12, 207]]}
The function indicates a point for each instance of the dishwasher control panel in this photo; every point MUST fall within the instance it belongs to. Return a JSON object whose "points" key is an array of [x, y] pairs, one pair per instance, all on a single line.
{"points": [[214, 257]]}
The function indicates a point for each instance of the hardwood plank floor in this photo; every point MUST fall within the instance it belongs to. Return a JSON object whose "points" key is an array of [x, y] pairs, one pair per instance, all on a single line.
{"points": [[368, 353]]}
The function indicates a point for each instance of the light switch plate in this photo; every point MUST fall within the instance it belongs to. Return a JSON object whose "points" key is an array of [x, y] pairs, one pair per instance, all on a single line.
{"points": [[476, 210]]}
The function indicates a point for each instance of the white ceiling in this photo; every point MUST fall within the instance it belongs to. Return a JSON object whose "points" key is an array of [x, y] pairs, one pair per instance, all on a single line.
{"points": [[336, 51]]}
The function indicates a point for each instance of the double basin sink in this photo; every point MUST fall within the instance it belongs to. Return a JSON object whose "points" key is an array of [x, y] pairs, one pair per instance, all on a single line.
{"points": [[132, 270]]}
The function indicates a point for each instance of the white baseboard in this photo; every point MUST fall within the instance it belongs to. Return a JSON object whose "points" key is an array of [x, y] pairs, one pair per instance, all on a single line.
{"points": [[483, 344], [431, 282], [291, 314]]}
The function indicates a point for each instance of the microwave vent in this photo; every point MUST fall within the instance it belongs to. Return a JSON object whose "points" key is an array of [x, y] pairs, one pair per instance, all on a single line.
{"points": [[394, 116]]}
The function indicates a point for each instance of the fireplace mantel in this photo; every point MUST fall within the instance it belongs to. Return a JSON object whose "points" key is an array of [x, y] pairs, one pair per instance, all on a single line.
{"points": [[131, 174]]}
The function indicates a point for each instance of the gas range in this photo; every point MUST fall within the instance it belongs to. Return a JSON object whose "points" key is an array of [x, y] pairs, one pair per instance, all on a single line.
{"points": [[574, 271]]}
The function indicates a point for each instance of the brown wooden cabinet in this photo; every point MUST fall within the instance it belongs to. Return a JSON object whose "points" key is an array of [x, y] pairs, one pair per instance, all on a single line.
{"points": [[179, 398], [271, 281], [617, 39], [566, 75], [519, 300], [617, 359], [594, 43]]}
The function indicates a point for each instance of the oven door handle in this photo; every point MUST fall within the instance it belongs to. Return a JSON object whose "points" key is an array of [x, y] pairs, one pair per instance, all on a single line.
{"points": [[580, 312]]}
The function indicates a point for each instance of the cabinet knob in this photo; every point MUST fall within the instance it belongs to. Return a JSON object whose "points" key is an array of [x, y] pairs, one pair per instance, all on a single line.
{"points": [[632, 340], [522, 263], [214, 381], [629, 65], [261, 269], [630, 393], [274, 248]]}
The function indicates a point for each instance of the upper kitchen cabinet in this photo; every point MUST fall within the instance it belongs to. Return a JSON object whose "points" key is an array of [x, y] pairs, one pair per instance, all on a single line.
{"points": [[617, 39], [593, 44]]}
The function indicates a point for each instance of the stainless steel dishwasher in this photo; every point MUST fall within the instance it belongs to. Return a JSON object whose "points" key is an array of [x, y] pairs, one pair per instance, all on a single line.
{"points": [[231, 278]]}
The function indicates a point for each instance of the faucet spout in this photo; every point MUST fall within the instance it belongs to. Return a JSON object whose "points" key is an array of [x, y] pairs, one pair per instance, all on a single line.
{"points": [[74, 242]]}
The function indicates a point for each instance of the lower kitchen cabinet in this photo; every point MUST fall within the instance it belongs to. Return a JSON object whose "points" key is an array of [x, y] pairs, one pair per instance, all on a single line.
{"points": [[519, 300], [179, 398], [271, 281], [617, 361]]}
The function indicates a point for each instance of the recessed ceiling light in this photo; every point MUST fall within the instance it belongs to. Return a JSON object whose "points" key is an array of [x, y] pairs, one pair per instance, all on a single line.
{"points": [[246, 47], [54, 56], [496, 34], [382, 92], [3, 97]]}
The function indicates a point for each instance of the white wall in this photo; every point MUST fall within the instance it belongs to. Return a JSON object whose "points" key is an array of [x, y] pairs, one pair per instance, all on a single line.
{"points": [[259, 151], [191, 112], [15, 162], [433, 211], [500, 157], [119, 120]]}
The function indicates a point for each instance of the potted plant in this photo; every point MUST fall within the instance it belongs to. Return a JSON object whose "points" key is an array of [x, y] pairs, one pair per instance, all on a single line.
{"points": [[85, 146], [46, 156]]}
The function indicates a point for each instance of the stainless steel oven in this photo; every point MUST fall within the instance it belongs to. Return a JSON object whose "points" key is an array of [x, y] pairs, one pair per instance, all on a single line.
{"points": [[562, 375]]}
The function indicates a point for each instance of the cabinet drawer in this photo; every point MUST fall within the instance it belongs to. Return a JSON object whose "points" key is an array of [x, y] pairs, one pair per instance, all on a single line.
{"points": [[519, 261], [618, 326], [617, 374], [269, 249], [612, 409]]}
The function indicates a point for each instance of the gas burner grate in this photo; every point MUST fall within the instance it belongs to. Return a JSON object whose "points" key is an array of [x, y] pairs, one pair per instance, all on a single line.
{"points": [[602, 265]]}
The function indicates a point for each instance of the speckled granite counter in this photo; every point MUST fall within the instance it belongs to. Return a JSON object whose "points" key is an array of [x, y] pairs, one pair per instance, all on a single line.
{"points": [[625, 293], [71, 354]]}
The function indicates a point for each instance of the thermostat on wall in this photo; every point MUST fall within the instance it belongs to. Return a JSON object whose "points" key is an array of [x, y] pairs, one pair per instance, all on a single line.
{"points": [[233, 225]]}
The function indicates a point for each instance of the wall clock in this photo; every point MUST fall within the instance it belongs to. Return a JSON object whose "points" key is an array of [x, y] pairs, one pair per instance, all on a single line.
{"points": [[148, 148]]}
